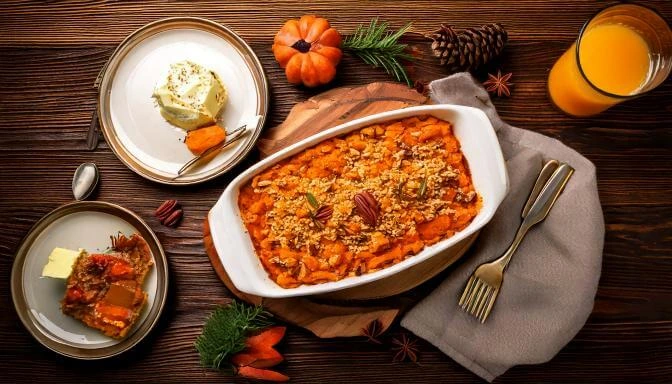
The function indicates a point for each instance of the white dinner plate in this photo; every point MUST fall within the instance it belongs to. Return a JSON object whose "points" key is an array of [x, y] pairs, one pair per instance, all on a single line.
{"points": [[130, 118], [87, 225]]}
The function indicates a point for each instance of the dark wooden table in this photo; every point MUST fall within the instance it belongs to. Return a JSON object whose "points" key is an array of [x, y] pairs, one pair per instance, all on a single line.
{"points": [[51, 52]]}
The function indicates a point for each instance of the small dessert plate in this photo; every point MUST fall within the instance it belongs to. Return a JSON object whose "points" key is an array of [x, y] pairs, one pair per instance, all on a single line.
{"points": [[130, 119], [87, 225]]}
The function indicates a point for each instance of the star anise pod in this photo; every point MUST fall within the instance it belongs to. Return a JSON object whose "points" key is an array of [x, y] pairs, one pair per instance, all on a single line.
{"points": [[406, 349], [115, 240], [118, 243], [499, 84], [421, 87], [373, 330]]}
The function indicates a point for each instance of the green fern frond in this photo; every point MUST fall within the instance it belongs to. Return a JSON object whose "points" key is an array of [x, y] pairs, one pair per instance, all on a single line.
{"points": [[378, 47], [225, 331]]}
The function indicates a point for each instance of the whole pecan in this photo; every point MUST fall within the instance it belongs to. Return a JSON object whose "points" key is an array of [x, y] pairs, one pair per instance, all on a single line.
{"points": [[367, 207]]}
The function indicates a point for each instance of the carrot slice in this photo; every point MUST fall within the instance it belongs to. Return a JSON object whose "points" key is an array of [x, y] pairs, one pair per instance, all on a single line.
{"points": [[267, 363], [122, 269], [262, 374], [201, 139], [243, 359], [113, 312], [257, 358], [267, 338]]}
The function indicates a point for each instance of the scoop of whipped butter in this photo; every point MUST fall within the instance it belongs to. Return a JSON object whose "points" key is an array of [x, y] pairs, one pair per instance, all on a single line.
{"points": [[190, 96], [60, 263]]}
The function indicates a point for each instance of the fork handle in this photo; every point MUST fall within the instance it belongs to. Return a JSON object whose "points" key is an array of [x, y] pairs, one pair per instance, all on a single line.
{"points": [[504, 260], [539, 209], [542, 179]]}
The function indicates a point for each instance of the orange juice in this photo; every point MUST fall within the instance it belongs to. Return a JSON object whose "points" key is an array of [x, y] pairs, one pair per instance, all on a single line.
{"points": [[613, 57]]}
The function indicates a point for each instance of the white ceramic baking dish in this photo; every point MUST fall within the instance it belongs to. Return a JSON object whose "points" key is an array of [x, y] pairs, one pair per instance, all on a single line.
{"points": [[479, 146]]}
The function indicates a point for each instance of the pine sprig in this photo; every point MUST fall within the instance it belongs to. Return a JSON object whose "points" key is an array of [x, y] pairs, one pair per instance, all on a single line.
{"points": [[225, 332], [379, 47]]}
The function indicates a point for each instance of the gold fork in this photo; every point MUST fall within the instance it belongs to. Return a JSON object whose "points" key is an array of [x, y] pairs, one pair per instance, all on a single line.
{"points": [[484, 284]]}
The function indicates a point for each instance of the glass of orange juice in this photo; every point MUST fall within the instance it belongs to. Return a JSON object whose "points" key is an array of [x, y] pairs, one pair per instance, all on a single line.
{"points": [[622, 52]]}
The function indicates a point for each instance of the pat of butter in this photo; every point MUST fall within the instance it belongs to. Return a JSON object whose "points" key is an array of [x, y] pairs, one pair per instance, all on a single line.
{"points": [[190, 96], [60, 263]]}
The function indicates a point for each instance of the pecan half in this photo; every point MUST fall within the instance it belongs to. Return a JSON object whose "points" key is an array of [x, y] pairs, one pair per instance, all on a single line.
{"points": [[165, 209], [323, 214], [173, 219], [367, 207]]}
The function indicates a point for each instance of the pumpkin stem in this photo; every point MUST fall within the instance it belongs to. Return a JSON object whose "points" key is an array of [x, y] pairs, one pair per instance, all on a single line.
{"points": [[301, 46]]}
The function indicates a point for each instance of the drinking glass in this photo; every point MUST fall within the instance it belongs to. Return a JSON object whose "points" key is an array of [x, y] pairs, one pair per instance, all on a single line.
{"points": [[622, 52]]}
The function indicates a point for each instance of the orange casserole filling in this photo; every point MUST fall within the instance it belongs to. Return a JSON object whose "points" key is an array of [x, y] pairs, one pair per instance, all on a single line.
{"points": [[308, 226]]}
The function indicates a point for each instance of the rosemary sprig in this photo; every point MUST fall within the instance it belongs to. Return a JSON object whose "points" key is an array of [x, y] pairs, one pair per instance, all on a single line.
{"points": [[379, 47], [423, 189], [225, 331], [312, 200]]}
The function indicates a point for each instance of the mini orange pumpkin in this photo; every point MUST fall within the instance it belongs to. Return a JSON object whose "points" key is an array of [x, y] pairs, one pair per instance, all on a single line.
{"points": [[309, 50]]}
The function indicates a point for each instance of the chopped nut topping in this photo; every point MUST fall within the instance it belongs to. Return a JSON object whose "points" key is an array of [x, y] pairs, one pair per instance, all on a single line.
{"points": [[350, 204]]}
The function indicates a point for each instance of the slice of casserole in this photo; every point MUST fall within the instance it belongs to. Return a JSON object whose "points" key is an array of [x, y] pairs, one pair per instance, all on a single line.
{"points": [[104, 290]]}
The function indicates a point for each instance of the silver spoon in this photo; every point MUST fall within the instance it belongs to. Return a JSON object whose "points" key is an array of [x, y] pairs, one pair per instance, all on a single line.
{"points": [[85, 180]]}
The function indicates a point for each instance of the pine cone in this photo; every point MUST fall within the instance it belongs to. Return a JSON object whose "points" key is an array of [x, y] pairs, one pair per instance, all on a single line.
{"points": [[469, 49]]}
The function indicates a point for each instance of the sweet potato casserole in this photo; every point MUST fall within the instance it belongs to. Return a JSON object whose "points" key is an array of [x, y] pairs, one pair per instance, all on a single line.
{"points": [[359, 203]]}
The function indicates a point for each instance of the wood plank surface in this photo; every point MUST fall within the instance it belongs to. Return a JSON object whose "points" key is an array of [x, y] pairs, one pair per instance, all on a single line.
{"points": [[51, 52]]}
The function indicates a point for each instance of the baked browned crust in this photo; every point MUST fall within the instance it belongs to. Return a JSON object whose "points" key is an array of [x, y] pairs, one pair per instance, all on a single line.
{"points": [[360, 202], [104, 290]]}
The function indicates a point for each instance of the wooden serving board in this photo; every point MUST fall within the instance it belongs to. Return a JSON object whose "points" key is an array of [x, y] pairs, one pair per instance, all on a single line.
{"points": [[344, 313], [336, 107]]}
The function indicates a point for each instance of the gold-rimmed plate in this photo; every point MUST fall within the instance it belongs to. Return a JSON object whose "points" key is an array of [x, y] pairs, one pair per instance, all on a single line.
{"points": [[76, 225], [130, 120]]}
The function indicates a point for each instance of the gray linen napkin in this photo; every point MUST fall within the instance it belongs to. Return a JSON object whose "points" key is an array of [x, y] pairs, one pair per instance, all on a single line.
{"points": [[549, 287]]}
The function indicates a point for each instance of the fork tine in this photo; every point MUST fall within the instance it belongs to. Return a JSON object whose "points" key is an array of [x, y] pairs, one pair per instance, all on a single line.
{"points": [[472, 295], [483, 300], [467, 290], [484, 304], [481, 316], [490, 304], [472, 290], [477, 298], [468, 294]]}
